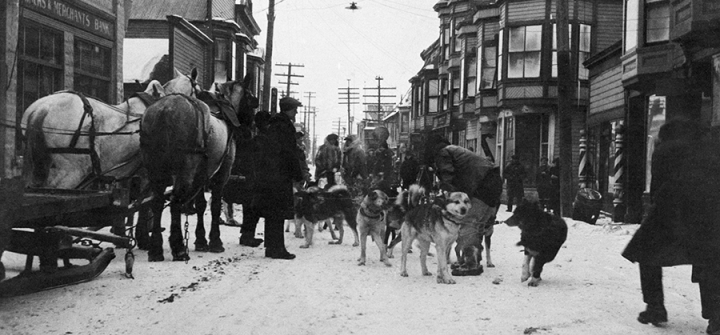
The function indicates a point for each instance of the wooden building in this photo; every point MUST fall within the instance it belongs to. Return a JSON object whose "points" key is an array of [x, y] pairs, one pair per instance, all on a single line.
{"points": [[56, 45]]}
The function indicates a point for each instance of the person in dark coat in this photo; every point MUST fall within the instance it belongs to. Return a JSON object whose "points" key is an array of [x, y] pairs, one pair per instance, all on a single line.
{"points": [[328, 159], [683, 224], [279, 166], [542, 180], [354, 161], [409, 168], [383, 162], [514, 174]]}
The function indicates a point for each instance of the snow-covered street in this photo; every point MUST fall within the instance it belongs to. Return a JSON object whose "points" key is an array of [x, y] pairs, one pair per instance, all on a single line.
{"points": [[588, 289]]}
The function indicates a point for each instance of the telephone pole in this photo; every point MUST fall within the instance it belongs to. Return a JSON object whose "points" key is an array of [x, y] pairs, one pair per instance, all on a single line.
{"points": [[348, 95], [565, 110], [289, 75], [339, 125], [379, 97], [266, 97], [309, 96]]}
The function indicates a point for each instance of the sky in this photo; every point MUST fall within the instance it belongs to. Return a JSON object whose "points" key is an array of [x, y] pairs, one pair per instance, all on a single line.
{"points": [[333, 44]]}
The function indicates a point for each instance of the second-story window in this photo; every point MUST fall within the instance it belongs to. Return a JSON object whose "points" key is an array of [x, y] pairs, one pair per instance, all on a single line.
{"points": [[631, 24], [487, 66], [455, 37], [222, 60], [657, 21], [554, 47], [524, 44], [455, 88], [446, 43], [444, 94], [584, 51], [470, 86], [433, 96]]}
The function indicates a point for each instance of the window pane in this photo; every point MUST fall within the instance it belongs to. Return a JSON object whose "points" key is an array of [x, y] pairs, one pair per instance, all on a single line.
{"points": [[500, 59], [585, 37], [554, 64], [583, 72], [517, 39], [31, 42], [516, 63], [533, 38], [532, 64], [658, 22], [471, 87], [488, 79], [490, 59], [433, 88], [433, 105], [631, 24]]}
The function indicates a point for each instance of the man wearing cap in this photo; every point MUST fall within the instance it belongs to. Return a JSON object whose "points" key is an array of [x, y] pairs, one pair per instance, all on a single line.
{"points": [[327, 159], [275, 196]]}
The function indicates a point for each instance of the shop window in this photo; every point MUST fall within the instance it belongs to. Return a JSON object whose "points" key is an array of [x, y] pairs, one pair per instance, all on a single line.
{"points": [[524, 44], [433, 96], [655, 120], [631, 24], [657, 21], [222, 60], [40, 66], [92, 70]]}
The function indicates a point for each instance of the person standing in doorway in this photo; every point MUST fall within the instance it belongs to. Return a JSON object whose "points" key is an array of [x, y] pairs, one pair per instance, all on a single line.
{"points": [[542, 180]]}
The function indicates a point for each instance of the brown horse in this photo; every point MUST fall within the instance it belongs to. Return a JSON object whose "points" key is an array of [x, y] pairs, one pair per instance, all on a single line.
{"points": [[184, 145], [73, 139]]}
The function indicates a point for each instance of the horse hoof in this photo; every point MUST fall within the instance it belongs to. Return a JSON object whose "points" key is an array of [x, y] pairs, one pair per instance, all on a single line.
{"points": [[181, 257], [202, 248], [217, 249], [156, 258]]}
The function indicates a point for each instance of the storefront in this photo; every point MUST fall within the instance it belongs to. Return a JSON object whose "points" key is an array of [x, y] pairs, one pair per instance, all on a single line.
{"points": [[54, 45]]}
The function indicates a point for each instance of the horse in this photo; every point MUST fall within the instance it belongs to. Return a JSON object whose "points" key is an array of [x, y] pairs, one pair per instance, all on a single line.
{"points": [[73, 141], [184, 145]]}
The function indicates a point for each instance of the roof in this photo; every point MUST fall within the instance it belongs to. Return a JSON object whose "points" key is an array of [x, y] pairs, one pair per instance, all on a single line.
{"points": [[191, 10]]}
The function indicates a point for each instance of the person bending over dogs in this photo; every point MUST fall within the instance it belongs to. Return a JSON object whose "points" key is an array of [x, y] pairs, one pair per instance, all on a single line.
{"points": [[541, 233], [437, 222], [315, 205]]}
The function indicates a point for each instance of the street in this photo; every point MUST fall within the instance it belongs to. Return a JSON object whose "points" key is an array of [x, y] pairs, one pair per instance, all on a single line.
{"points": [[588, 289]]}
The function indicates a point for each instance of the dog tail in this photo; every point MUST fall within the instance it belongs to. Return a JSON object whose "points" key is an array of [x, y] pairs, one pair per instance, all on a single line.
{"points": [[411, 198]]}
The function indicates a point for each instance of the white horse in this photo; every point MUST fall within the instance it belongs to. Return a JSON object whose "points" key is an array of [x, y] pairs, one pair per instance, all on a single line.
{"points": [[73, 139]]}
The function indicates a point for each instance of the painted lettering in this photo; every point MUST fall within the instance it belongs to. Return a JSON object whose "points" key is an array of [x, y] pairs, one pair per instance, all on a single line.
{"points": [[102, 26]]}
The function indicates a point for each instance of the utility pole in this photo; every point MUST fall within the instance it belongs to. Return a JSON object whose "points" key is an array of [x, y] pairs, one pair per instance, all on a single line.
{"points": [[309, 96], [289, 75], [266, 103], [349, 96], [378, 96], [564, 102], [314, 144], [339, 126]]}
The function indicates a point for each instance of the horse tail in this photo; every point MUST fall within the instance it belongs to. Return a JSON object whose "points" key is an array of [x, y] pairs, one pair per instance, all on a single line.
{"points": [[37, 159]]}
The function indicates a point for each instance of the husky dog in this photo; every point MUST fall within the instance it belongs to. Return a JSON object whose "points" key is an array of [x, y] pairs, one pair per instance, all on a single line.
{"points": [[315, 205], [372, 220], [438, 221]]}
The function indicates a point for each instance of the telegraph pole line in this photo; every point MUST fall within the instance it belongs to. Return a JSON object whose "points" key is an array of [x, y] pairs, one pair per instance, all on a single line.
{"points": [[289, 74], [349, 96], [309, 96], [565, 111], [339, 124], [379, 97]]}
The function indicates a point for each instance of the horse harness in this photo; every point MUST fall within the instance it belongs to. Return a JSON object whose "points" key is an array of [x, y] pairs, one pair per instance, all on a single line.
{"points": [[92, 133]]}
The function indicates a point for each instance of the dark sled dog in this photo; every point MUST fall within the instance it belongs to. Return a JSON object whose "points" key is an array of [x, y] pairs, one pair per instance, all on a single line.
{"points": [[541, 233], [316, 205], [437, 221]]}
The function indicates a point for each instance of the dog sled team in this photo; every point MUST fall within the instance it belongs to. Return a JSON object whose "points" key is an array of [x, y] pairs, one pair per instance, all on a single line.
{"points": [[193, 140]]}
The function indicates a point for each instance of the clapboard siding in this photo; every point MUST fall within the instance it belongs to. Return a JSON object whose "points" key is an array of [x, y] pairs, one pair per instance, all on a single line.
{"points": [[609, 24], [147, 29], [526, 10], [188, 53], [491, 29], [607, 90], [584, 13]]}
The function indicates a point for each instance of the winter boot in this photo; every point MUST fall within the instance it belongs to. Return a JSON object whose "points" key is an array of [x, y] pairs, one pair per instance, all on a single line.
{"points": [[654, 314]]}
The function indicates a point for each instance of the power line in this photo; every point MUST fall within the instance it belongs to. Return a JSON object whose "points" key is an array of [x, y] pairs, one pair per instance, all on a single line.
{"points": [[379, 96], [350, 95], [289, 76]]}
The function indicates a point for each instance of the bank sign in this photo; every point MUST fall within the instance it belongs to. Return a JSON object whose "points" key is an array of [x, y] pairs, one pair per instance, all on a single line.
{"points": [[73, 15]]}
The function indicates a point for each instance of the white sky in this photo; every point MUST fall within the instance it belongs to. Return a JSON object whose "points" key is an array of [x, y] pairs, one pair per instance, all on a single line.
{"points": [[383, 38]]}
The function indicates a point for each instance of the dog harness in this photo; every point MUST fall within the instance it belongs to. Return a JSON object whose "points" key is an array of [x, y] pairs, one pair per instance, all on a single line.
{"points": [[365, 213]]}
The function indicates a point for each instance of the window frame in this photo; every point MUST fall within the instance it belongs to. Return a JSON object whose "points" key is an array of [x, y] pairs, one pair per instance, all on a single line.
{"points": [[99, 82], [525, 54]]}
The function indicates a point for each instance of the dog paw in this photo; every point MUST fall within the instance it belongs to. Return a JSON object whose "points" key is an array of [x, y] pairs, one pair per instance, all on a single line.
{"points": [[335, 242], [304, 246], [356, 244], [403, 274], [299, 236], [441, 280], [387, 263], [534, 282], [490, 265], [361, 262], [427, 273]]}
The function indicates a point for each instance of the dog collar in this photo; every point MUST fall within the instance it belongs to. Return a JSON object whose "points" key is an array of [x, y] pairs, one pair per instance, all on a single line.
{"points": [[451, 218], [365, 214]]}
